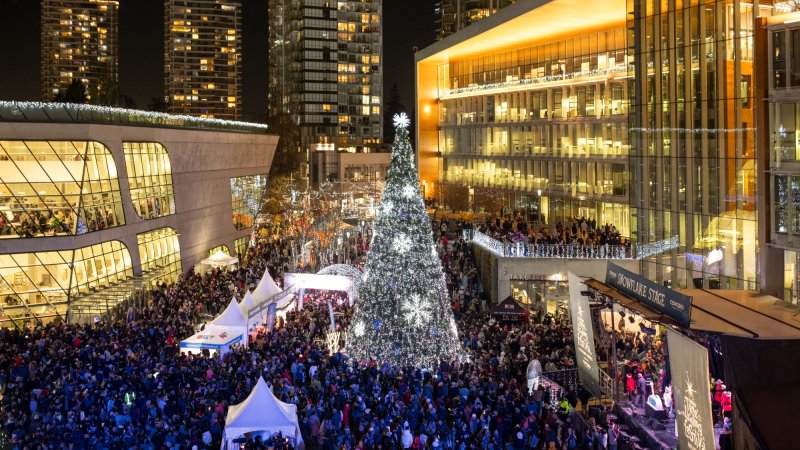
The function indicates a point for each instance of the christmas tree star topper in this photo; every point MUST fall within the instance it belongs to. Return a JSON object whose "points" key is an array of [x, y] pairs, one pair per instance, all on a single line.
{"points": [[401, 120]]}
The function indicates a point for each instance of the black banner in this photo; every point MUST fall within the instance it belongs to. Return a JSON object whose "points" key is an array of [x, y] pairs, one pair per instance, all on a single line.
{"points": [[582, 331], [660, 298]]}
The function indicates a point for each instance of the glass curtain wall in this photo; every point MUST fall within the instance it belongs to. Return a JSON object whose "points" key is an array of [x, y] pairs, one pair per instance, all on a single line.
{"points": [[50, 188], [37, 287], [547, 122], [246, 196], [160, 253], [150, 179], [692, 161], [223, 248]]}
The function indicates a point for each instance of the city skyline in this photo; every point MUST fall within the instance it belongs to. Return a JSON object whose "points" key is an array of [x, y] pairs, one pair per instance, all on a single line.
{"points": [[141, 70]]}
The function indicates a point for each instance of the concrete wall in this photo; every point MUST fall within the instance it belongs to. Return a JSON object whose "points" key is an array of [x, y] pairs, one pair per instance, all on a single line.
{"points": [[496, 278], [203, 162]]}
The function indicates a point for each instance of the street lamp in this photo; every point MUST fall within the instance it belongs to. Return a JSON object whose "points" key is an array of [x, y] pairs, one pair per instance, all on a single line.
{"points": [[347, 249], [539, 213]]}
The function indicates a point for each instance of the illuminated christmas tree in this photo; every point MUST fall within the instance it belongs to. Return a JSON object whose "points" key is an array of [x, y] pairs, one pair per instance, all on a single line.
{"points": [[403, 314]]}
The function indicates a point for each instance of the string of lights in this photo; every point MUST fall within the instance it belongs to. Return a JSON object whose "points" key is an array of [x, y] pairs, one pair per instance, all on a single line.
{"points": [[403, 315]]}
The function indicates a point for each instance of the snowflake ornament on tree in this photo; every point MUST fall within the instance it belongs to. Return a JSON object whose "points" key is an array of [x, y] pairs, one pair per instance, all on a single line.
{"points": [[358, 330], [402, 244], [416, 311]]}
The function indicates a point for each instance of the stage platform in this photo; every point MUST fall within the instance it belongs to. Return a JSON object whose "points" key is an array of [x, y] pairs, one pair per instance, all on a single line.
{"points": [[648, 433]]}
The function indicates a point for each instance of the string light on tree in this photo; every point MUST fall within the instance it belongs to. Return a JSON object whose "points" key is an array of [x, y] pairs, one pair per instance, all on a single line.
{"points": [[405, 296]]}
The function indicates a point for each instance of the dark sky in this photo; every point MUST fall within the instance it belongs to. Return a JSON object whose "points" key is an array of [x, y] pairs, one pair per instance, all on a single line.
{"points": [[407, 23]]}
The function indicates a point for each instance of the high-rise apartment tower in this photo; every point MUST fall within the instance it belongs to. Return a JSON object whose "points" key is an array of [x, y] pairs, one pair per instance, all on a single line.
{"points": [[79, 42], [203, 57]]}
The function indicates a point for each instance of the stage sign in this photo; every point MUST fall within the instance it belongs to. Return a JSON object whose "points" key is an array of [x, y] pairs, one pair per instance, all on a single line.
{"points": [[660, 298], [688, 363], [582, 331]]}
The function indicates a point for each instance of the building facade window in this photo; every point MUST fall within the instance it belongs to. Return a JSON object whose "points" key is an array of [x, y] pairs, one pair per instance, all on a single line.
{"points": [[50, 188], [246, 197], [150, 179], [39, 287], [160, 254], [508, 131], [692, 155], [241, 245], [220, 248]]}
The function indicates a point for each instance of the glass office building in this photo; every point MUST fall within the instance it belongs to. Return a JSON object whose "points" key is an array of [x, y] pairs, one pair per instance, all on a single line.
{"points": [[782, 215], [540, 126], [693, 141]]}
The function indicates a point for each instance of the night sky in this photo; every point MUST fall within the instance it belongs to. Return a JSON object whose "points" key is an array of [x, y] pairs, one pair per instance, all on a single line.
{"points": [[407, 23]]}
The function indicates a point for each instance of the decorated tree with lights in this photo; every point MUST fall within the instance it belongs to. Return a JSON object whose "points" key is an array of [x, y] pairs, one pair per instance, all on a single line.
{"points": [[403, 314]]}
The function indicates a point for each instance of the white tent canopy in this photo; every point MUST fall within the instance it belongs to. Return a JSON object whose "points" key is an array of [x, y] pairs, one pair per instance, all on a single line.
{"points": [[227, 329], [266, 288], [247, 303], [232, 316], [220, 259], [261, 412]]}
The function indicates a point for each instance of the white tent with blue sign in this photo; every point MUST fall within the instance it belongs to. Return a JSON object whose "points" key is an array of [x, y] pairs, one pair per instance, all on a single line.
{"points": [[220, 334]]}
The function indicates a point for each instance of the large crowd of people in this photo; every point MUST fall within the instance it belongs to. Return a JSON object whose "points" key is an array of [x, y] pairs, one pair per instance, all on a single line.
{"points": [[578, 231], [125, 385]]}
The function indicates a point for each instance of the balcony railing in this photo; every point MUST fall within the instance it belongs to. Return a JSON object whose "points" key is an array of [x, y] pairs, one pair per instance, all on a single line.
{"points": [[528, 250]]}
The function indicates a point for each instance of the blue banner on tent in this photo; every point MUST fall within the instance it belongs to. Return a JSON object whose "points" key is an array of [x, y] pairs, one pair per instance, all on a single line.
{"points": [[657, 297]]}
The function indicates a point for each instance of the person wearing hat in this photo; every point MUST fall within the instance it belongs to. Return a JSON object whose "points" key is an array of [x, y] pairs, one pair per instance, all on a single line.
{"points": [[641, 386], [630, 387]]}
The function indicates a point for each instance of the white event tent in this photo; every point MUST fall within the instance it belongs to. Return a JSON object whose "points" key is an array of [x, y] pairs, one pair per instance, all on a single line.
{"points": [[261, 412], [220, 259], [227, 329], [247, 304], [266, 288]]}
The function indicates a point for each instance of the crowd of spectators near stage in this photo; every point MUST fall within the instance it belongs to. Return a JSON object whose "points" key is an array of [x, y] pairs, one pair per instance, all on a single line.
{"points": [[124, 385]]}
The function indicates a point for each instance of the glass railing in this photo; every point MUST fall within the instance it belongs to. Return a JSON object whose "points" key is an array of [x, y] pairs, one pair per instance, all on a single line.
{"points": [[528, 250], [81, 113]]}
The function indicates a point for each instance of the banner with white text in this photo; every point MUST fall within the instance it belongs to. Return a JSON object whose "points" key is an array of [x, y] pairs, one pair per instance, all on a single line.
{"points": [[688, 362], [588, 371]]}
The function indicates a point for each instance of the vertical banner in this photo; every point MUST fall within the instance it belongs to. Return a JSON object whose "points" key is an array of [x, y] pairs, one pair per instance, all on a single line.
{"points": [[333, 319], [300, 295], [271, 317], [688, 362], [588, 371]]}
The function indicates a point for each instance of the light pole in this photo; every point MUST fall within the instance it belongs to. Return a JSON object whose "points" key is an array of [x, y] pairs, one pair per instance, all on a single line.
{"points": [[539, 208], [347, 249]]}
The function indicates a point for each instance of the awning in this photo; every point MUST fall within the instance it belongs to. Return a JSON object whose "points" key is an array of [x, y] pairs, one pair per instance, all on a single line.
{"points": [[731, 312], [630, 303]]}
